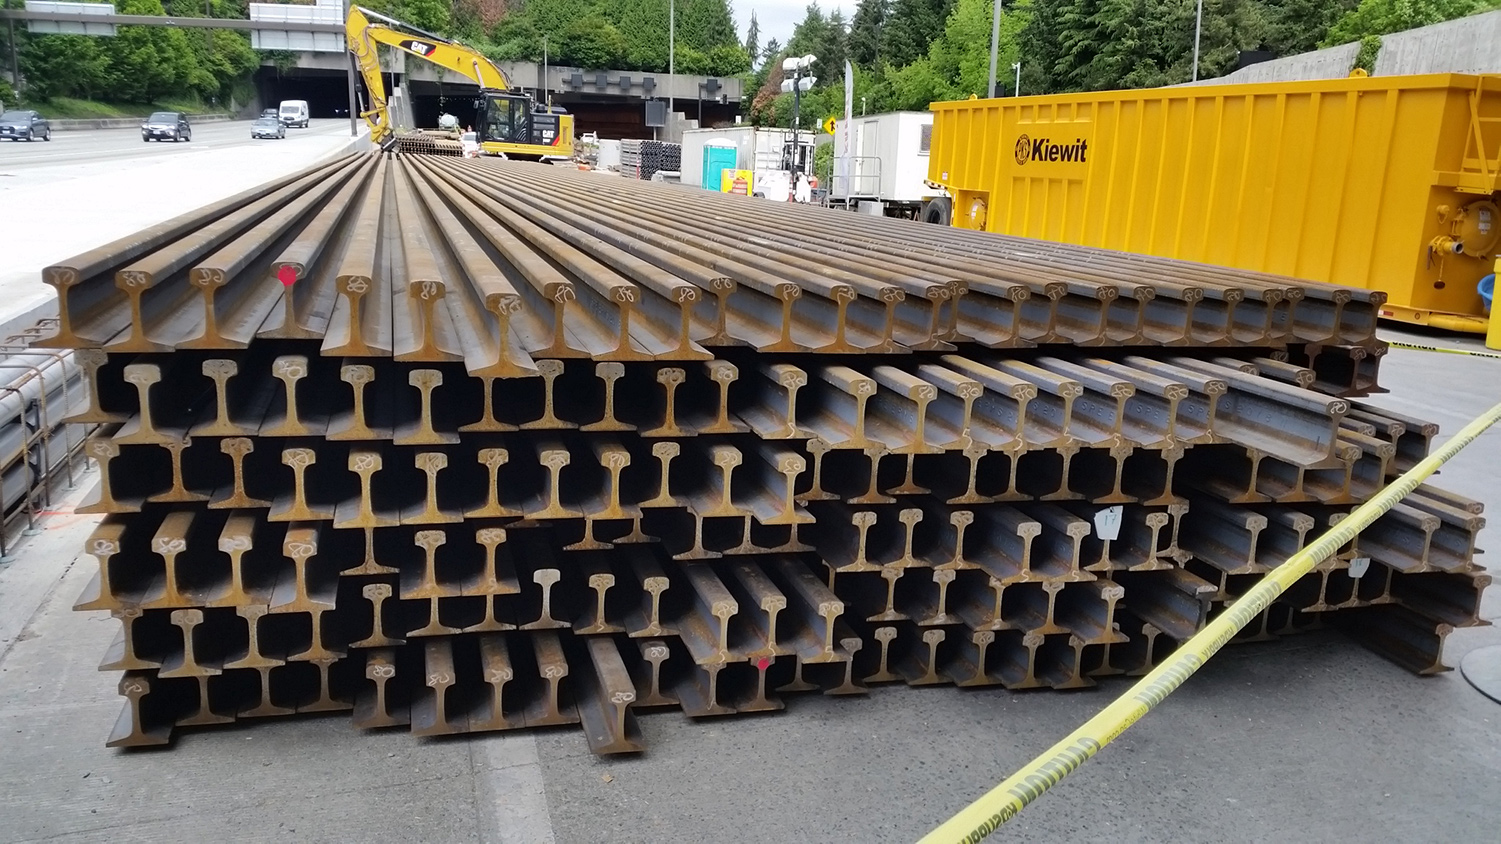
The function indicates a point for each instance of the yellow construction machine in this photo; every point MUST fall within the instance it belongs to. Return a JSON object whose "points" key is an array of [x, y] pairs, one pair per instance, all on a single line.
{"points": [[507, 123]]}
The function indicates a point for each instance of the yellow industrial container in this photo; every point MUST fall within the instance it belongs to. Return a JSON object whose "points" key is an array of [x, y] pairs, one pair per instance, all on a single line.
{"points": [[1387, 183]]}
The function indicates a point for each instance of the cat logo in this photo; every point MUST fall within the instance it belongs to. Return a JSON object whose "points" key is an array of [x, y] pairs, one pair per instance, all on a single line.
{"points": [[421, 48], [1023, 149]]}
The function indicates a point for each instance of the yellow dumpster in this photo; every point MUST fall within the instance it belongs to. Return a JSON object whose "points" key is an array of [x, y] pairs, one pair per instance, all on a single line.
{"points": [[1388, 183]]}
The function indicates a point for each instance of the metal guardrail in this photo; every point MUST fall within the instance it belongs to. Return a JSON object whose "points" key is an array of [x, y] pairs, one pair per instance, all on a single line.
{"points": [[43, 387], [860, 184]]}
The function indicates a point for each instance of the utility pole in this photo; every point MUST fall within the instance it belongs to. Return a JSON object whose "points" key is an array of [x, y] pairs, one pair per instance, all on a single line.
{"points": [[354, 128], [546, 91], [1198, 29], [995, 43], [799, 83], [672, 67]]}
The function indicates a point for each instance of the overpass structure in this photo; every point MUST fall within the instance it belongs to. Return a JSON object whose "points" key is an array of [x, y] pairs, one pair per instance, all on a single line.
{"points": [[612, 103]]}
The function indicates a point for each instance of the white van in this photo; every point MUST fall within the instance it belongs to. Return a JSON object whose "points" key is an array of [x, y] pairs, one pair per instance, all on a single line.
{"points": [[293, 113]]}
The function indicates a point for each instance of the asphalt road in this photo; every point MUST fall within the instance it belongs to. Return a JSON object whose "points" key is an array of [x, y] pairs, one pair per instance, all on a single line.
{"points": [[114, 145]]}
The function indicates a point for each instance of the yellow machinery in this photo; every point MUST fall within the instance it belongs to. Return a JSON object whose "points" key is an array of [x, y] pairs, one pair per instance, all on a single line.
{"points": [[1387, 183], [507, 123]]}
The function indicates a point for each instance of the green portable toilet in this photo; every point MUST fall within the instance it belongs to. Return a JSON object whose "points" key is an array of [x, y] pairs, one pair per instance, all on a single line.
{"points": [[717, 158]]}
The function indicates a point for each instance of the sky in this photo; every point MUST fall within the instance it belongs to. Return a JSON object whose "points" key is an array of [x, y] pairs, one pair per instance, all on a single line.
{"points": [[778, 17]]}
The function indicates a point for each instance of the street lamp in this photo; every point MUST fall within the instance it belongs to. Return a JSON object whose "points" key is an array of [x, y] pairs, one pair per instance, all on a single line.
{"points": [[995, 44], [797, 84], [1198, 29]]}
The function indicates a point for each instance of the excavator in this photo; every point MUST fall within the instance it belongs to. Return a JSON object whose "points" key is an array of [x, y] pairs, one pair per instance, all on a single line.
{"points": [[508, 124]]}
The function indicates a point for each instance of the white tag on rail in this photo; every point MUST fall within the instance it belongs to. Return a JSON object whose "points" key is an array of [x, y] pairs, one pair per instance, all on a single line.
{"points": [[1358, 567], [1107, 523]]}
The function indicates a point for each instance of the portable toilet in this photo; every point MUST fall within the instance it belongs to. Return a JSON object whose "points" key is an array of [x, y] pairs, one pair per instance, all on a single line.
{"points": [[717, 158]]}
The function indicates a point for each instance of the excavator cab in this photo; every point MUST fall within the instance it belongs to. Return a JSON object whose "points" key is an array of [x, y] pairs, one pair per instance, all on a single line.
{"points": [[514, 120]]}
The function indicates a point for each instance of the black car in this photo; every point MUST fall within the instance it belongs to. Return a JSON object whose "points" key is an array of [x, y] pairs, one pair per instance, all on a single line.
{"points": [[16, 125], [165, 125], [269, 112]]}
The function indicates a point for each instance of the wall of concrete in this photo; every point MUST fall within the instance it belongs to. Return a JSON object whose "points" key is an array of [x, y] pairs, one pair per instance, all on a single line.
{"points": [[680, 86], [1465, 45], [1331, 63]]}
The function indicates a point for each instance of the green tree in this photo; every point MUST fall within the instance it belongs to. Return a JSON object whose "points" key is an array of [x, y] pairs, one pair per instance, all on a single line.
{"points": [[1380, 17], [811, 33], [1297, 26], [835, 49], [515, 39], [591, 42], [752, 38], [431, 15], [865, 33], [958, 61], [148, 62], [552, 17], [643, 23], [910, 28], [64, 66], [703, 25]]}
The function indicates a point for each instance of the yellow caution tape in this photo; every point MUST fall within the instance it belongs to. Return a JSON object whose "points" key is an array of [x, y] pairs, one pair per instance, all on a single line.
{"points": [[1002, 803], [1418, 348]]}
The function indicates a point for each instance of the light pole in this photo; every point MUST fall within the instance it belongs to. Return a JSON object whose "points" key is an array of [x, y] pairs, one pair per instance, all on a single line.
{"points": [[995, 43], [671, 48], [797, 66], [1017, 66], [546, 94], [1198, 28]]}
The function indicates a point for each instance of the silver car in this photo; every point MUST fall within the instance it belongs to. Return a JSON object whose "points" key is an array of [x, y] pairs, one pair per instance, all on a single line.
{"points": [[267, 127]]}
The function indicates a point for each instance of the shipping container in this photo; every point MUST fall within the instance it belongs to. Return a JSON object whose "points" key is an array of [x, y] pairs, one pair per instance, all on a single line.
{"points": [[1388, 183], [887, 158]]}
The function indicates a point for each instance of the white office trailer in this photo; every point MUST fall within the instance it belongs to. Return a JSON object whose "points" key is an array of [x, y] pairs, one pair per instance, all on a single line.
{"points": [[885, 164], [767, 153]]}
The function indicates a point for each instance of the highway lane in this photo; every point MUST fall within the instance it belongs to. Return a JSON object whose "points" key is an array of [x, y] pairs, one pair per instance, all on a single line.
{"points": [[87, 188], [90, 146]]}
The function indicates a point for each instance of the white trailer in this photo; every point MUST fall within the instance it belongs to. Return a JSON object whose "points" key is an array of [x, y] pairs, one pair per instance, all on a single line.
{"points": [[885, 167]]}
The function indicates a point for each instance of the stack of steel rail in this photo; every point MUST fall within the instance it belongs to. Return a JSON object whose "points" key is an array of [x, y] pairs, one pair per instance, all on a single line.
{"points": [[475, 445]]}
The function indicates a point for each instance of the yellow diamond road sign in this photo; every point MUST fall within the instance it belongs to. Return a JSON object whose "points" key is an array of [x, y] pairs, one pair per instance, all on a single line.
{"points": [[828, 126]]}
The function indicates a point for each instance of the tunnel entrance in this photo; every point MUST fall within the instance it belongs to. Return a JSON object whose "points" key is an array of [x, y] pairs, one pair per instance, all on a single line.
{"points": [[326, 91]]}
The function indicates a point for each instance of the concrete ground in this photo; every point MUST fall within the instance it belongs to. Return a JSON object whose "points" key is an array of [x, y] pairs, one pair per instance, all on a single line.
{"points": [[84, 189], [1308, 739]]}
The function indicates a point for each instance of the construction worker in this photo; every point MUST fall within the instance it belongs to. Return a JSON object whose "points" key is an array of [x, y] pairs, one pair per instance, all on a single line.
{"points": [[803, 192]]}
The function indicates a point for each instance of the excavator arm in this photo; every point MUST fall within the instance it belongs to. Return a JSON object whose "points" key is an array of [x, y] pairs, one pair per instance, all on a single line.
{"points": [[508, 124], [364, 35]]}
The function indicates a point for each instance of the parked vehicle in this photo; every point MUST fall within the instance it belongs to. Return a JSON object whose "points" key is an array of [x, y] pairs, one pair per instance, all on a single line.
{"points": [[165, 125], [293, 113], [16, 125], [267, 127], [470, 144], [881, 163]]}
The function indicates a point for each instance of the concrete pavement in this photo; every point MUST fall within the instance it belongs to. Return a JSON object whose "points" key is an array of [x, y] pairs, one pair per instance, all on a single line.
{"points": [[1311, 738], [84, 189]]}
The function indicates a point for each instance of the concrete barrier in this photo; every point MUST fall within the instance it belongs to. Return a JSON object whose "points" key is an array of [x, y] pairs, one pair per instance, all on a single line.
{"points": [[127, 122]]}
